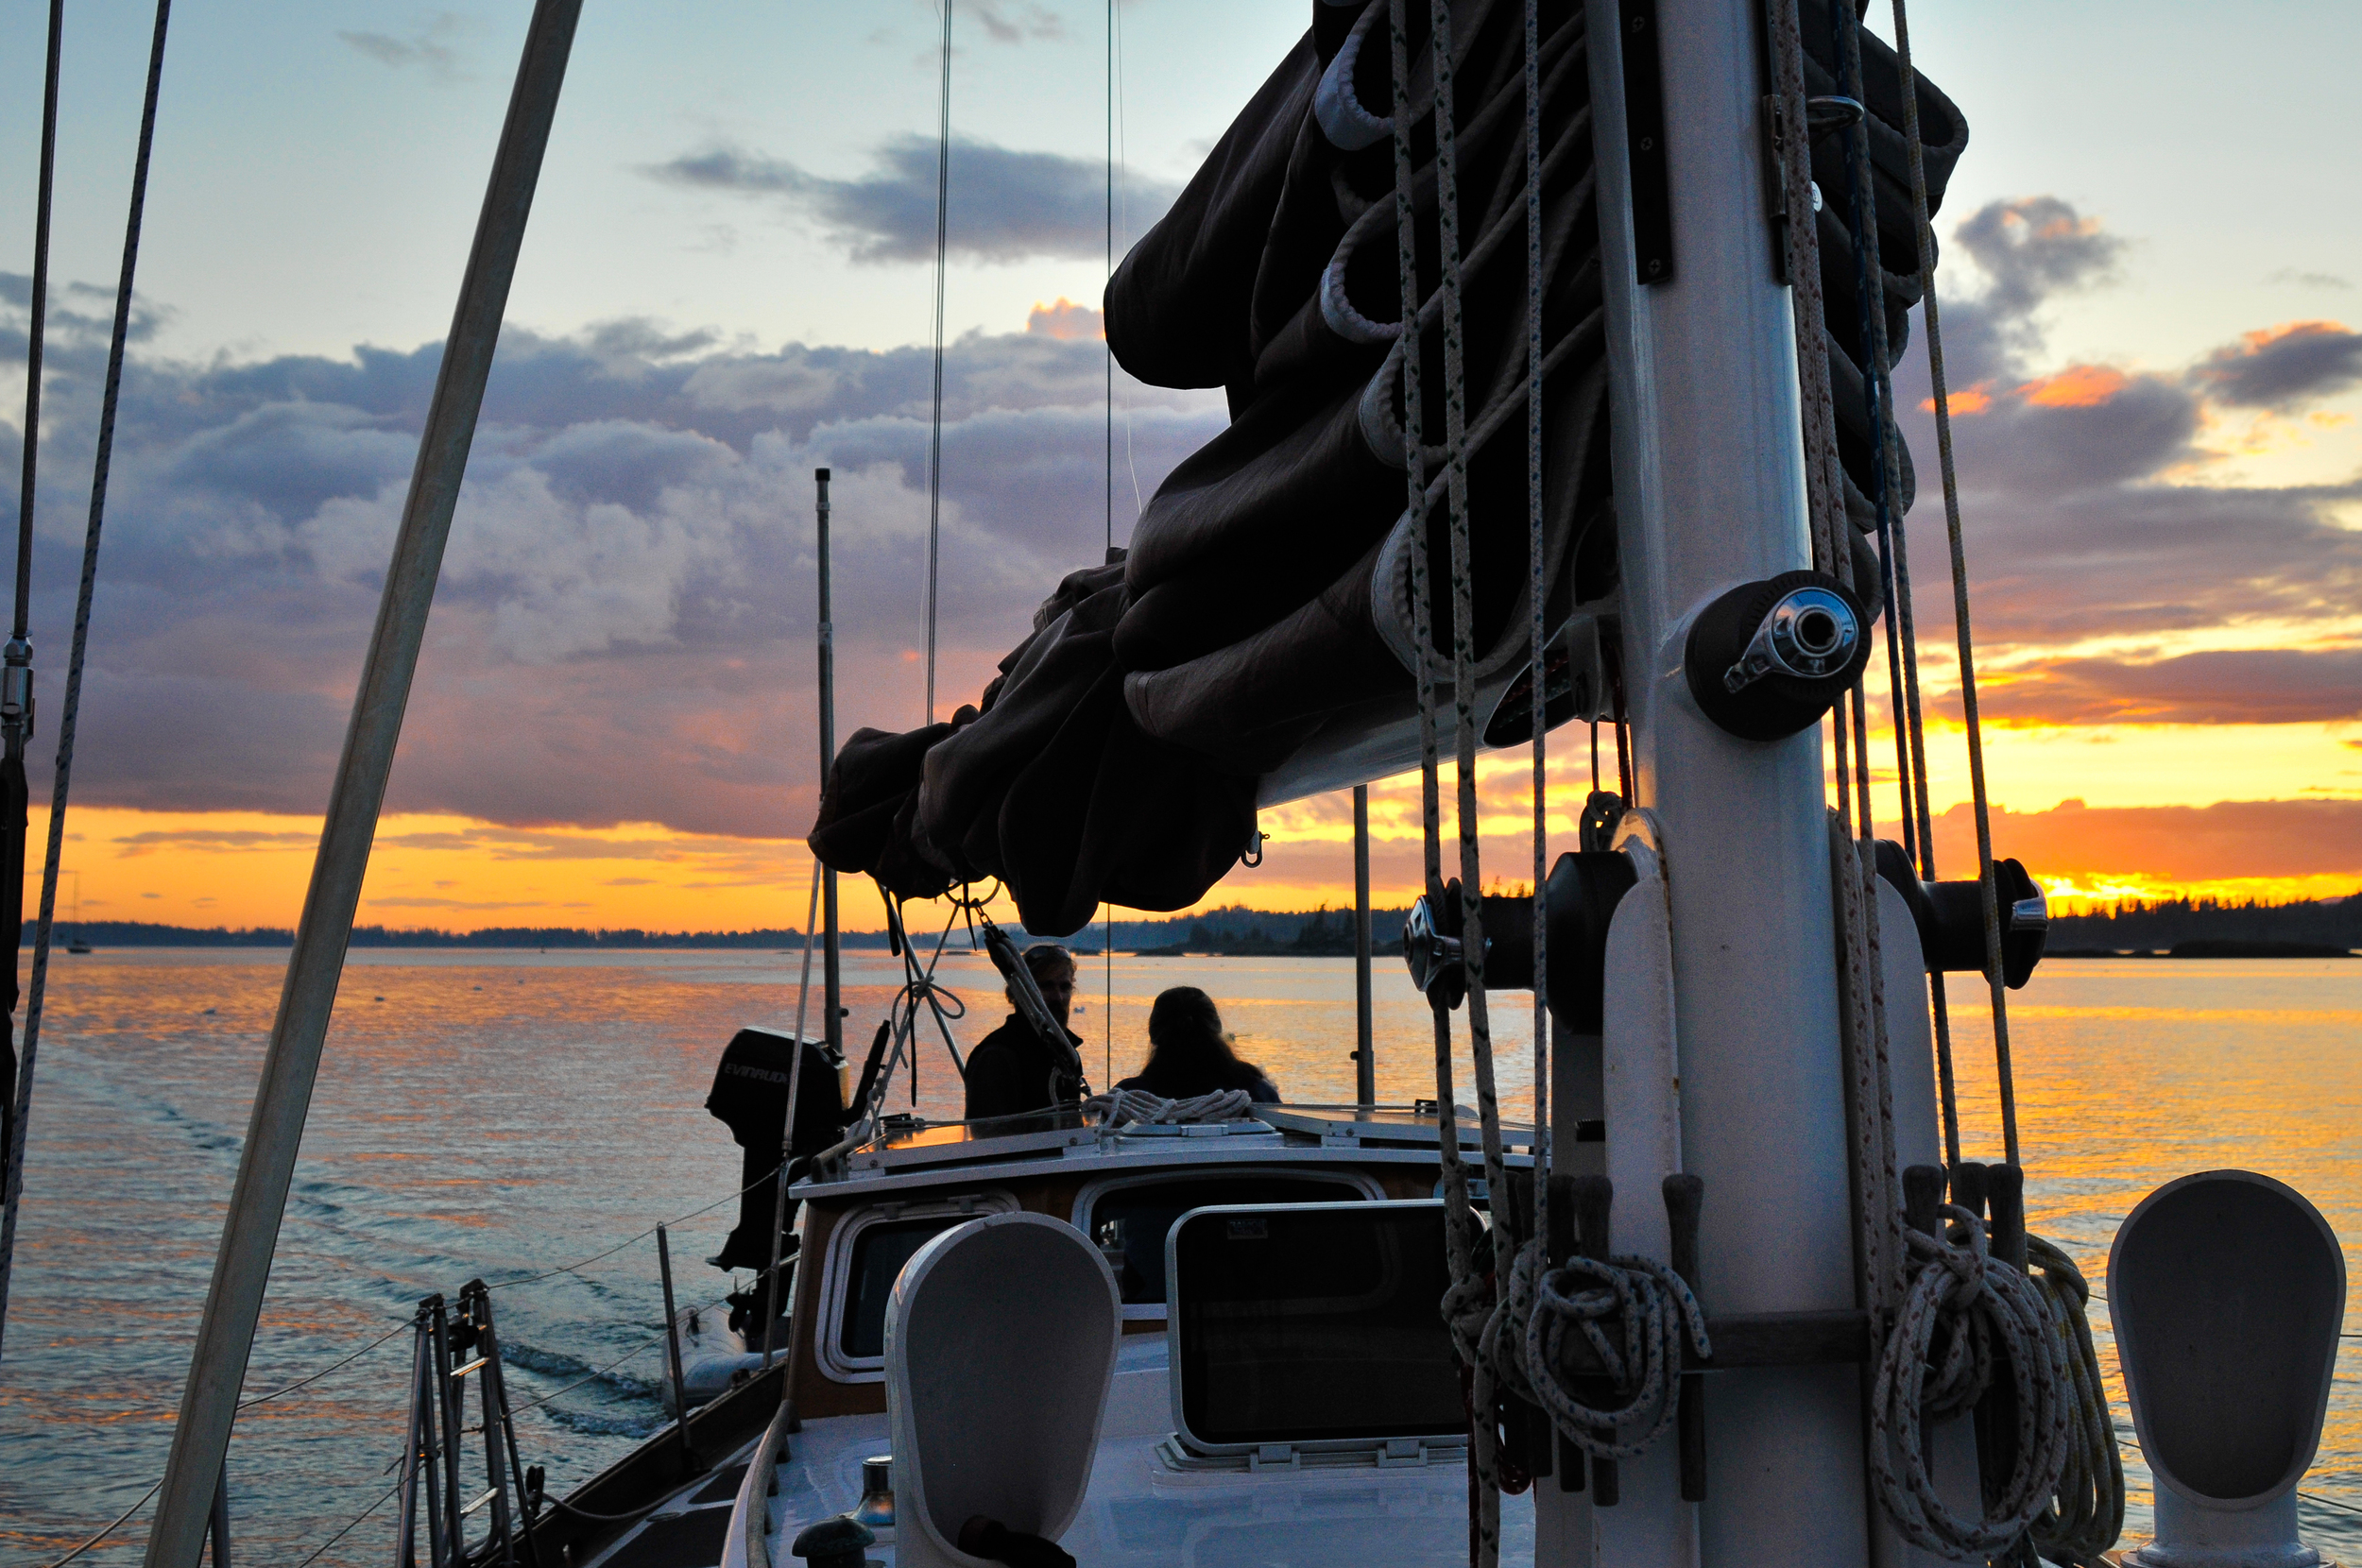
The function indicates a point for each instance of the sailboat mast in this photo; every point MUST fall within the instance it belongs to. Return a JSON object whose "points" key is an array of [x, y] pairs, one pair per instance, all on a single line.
{"points": [[267, 1163], [1709, 480], [833, 1028]]}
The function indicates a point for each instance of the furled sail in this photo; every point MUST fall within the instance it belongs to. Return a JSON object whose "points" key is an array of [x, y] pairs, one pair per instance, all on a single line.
{"points": [[1255, 644]]}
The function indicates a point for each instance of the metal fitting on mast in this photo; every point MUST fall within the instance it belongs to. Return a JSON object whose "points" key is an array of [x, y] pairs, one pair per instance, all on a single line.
{"points": [[16, 693], [1767, 659]]}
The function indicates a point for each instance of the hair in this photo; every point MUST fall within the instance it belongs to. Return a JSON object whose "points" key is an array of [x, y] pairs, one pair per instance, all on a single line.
{"points": [[1045, 955], [1187, 1048]]}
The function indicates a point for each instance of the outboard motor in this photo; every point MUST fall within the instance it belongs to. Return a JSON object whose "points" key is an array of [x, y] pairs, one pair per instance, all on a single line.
{"points": [[2228, 1290], [750, 1096]]}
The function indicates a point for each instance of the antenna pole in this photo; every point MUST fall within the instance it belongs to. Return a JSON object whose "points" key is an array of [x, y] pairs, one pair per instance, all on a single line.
{"points": [[1364, 1057], [832, 1025], [266, 1165]]}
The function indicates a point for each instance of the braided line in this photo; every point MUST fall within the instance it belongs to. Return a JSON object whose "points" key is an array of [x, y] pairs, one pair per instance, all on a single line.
{"points": [[1657, 1313], [1958, 1289]]}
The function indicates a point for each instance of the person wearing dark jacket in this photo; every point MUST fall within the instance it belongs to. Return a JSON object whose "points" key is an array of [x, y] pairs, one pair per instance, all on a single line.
{"points": [[1189, 1055], [1010, 1070]]}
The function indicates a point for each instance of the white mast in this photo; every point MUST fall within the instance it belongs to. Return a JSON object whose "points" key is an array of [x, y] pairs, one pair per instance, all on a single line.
{"points": [[1710, 494]]}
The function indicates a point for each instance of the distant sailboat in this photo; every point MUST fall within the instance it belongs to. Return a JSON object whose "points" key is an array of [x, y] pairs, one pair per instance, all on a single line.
{"points": [[78, 941]]}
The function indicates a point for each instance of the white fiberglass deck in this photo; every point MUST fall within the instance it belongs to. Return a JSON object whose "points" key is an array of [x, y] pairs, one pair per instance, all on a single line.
{"points": [[1140, 1509]]}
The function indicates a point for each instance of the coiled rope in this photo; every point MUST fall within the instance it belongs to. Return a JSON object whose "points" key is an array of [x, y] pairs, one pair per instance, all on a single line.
{"points": [[1526, 1335], [2087, 1512], [1979, 1306], [1118, 1107]]}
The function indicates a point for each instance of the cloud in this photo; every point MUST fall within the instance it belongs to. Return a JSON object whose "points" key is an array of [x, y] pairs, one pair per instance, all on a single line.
{"points": [[2034, 248], [1067, 321], [2076, 483], [427, 47], [2260, 686], [2309, 279], [624, 630], [2167, 843], [1006, 205], [1008, 24], [2281, 367]]}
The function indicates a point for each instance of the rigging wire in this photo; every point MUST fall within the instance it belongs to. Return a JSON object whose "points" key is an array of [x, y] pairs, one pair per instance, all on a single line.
{"points": [[934, 430], [115, 1523], [1924, 230], [1538, 631], [351, 1524], [580, 1262], [16, 696], [401, 1327], [113, 1526], [34, 331], [12, 1178], [1104, 335]]}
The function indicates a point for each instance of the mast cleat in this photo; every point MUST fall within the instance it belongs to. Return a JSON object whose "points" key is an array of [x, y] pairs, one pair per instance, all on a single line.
{"points": [[1767, 659]]}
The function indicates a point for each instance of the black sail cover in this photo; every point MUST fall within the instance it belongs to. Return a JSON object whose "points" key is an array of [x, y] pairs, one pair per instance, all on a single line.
{"points": [[1255, 644]]}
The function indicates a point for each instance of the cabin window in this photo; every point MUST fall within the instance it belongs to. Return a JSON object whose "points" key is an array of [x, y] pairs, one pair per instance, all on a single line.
{"points": [[1129, 1219], [1312, 1325], [865, 1255], [878, 1258]]}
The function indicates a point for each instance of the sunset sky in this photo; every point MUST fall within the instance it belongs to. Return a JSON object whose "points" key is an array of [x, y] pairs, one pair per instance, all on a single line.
{"points": [[2152, 264]]}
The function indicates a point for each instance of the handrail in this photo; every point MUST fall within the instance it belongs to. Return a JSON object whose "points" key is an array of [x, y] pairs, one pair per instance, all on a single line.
{"points": [[746, 1545]]}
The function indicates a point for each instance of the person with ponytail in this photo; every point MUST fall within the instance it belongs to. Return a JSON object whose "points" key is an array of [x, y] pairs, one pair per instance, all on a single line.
{"points": [[1189, 1055]]}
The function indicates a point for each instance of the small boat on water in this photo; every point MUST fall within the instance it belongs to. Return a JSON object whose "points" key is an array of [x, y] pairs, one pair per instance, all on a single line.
{"points": [[1558, 340]]}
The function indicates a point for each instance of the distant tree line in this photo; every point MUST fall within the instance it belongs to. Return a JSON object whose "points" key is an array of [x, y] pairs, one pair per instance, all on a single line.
{"points": [[142, 933], [2133, 925], [2139, 925], [1309, 934]]}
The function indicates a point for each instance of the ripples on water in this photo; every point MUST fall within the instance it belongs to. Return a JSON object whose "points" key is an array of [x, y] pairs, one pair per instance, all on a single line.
{"points": [[501, 1114]]}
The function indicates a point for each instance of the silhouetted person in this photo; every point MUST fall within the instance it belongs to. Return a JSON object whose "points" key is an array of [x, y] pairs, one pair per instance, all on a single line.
{"points": [[1189, 1055], [1012, 1070]]}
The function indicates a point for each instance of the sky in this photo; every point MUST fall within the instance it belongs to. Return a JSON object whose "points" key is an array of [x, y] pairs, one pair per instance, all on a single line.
{"points": [[2149, 285]]}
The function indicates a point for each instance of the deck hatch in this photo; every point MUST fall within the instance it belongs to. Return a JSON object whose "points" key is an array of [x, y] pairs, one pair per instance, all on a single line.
{"points": [[1313, 1326]]}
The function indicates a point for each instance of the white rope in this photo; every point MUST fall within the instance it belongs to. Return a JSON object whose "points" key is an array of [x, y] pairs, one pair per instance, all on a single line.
{"points": [[1658, 1314], [1121, 1106], [1537, 632], [1980, 1306], [2086, 1514], [1464, 771]]}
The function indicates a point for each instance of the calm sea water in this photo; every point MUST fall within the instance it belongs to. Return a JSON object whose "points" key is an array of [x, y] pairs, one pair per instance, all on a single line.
{"points": [[501, 1113]]}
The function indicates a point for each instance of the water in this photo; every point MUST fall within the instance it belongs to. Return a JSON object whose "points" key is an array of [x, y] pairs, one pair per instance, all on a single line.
{"points": [[501, 1113]]}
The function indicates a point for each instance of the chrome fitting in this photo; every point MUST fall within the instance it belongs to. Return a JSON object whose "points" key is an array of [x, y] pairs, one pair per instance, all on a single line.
{"points": [[1808, 633], [1767, 659]]}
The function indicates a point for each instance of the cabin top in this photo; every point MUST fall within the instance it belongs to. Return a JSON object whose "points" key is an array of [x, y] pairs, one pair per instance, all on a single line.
{"points": [[1124, 1188]]}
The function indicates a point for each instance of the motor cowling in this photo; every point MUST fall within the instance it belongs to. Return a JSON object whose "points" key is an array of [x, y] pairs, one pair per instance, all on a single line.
{"points": [[749, 1096]]}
